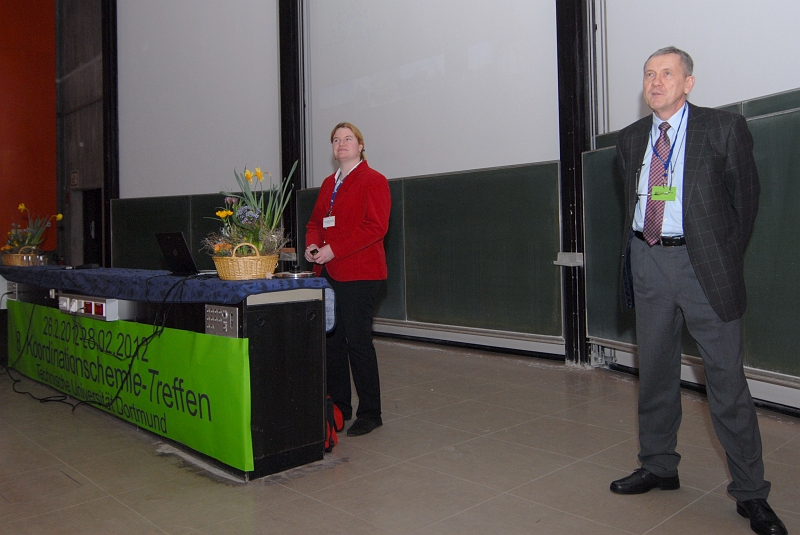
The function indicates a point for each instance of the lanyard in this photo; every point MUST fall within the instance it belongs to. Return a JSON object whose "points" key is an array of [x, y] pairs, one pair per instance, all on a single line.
{"points": [[333, 195], [339, 184], [674, 141]]}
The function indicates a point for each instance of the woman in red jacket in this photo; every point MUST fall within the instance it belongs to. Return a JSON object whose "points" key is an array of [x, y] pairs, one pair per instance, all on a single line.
{"points": [[345, 241]]}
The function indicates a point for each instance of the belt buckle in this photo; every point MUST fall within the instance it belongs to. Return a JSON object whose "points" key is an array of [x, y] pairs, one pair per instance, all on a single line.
{"points": [[669, 241]]}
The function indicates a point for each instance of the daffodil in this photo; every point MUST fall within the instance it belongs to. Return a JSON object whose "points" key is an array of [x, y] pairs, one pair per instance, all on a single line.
{"points": [[31, 236], [252, 215]]}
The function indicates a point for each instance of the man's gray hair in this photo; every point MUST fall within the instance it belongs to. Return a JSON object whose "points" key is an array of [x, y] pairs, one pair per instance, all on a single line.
{"points": [[686, 59]]}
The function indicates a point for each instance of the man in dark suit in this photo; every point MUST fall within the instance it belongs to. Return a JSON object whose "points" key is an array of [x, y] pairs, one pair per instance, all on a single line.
{"points": [[691, 198]]}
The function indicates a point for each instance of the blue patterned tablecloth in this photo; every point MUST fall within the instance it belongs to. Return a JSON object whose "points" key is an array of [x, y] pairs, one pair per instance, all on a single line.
{"points": [[152, 286]]}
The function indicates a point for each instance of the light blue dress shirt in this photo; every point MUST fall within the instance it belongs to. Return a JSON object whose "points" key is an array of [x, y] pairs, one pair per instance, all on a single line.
{"points": [[673, 210]]}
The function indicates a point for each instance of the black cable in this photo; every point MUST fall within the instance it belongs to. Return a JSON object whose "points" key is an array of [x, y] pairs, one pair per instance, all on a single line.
{"points": [[58, 398], [163, 310], [144, 342]]}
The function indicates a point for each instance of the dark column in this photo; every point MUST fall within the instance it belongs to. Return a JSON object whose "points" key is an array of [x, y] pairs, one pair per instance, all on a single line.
{"points": [[110, 122], [573, 107], [290, 22]]}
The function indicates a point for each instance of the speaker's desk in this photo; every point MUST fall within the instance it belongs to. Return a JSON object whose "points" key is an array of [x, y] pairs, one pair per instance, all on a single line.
{"points": [[233, 370]]}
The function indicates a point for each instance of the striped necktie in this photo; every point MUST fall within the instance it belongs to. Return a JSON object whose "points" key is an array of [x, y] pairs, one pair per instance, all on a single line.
{"points": [[654, 215]]}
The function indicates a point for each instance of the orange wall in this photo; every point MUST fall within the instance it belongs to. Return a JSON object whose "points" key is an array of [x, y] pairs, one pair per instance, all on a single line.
{"points": [[27, 111]]}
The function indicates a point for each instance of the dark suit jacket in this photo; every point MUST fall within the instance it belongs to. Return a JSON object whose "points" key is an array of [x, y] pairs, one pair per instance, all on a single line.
{"points": [[720, 201]]}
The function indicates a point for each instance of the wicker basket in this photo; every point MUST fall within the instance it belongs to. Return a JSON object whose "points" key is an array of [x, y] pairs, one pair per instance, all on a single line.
{"points": [[239, 268], [26, 257]]}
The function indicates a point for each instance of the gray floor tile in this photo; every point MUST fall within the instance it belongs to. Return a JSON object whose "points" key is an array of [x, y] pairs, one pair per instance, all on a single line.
{"points": [[406, 497], [510, 515], [472, 442]]}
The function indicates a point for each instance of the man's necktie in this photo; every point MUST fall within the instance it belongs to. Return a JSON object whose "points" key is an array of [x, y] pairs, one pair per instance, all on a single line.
{"points": [[654, 215]]}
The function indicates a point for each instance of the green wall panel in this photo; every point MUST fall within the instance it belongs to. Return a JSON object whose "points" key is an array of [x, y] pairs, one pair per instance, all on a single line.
{"points": [[392, 304], [603, 222], [772, 262], [771, 104], [134, 223], [480, 247]]}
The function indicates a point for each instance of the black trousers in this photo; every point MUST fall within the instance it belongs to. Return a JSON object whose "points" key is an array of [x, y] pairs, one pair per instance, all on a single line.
{"points": [[349, 348]]}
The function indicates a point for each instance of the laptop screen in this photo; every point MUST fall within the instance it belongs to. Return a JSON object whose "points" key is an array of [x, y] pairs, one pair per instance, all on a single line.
{"points": [[176, 253]]}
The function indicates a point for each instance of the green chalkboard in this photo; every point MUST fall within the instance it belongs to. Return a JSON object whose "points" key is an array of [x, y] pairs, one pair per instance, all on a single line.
{"points": [[392, 304], [772, 262], [480, 247], [603, 222], [472, 249], [779, 102], [134, 223]]}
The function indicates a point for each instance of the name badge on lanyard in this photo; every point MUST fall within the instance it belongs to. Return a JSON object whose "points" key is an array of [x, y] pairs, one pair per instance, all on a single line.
{"points": [[330, 220], [667, 192], [664, 193]]}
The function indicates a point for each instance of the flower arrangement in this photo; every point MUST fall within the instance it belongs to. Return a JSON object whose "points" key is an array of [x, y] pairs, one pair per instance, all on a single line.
{"points": [[252, 217], [28, 239]]}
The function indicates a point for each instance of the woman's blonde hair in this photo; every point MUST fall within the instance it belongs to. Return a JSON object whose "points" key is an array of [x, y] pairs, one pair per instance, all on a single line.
{"points": [[353, 128]]}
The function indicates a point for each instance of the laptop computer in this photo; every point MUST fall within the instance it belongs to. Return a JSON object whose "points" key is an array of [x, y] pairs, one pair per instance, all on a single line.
{"points": [[177, 255]]}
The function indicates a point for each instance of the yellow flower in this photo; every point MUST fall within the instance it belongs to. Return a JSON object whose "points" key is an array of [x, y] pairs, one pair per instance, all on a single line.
{"points": [[222, 214], [248, 174], [260, 174], [220, 247], [59, 217], [21, 207]]}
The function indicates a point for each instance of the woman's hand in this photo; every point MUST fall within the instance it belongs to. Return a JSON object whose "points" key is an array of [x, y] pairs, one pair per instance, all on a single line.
{"points": [[311, 250], [323, 256]]}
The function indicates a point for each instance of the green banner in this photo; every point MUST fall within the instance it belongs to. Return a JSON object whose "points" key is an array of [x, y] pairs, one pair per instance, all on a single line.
{"points": [[192, 388]]}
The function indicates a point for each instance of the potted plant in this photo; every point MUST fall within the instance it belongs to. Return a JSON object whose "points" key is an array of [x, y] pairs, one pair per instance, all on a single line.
{"points": [[249, 242], [22, 244]]}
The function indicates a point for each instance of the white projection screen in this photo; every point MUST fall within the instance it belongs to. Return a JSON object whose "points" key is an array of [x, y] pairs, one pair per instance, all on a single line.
{"points": [[198, 94], [742, 49], [435, 86]]}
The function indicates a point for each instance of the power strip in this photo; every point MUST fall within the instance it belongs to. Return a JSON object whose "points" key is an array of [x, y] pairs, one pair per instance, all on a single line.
{"points": [[98, 308]]}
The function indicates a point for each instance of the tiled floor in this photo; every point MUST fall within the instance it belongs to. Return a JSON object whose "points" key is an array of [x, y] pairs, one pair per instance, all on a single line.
{"points": [[472, 443]]}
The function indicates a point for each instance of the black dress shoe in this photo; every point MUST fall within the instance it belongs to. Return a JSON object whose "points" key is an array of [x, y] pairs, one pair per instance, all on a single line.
{"points": [[763, 519], [362, 426], [641, 480]]}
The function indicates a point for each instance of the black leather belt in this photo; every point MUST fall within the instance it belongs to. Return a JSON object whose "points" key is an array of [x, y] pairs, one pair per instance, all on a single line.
{"points": [[664, 241]]}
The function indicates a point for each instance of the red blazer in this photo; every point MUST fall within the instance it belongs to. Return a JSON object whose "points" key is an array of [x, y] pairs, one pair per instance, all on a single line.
{"points": [[361, 209]]}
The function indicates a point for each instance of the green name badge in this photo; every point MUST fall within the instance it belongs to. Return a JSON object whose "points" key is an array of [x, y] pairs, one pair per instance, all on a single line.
{"points": [[663, 193]]}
